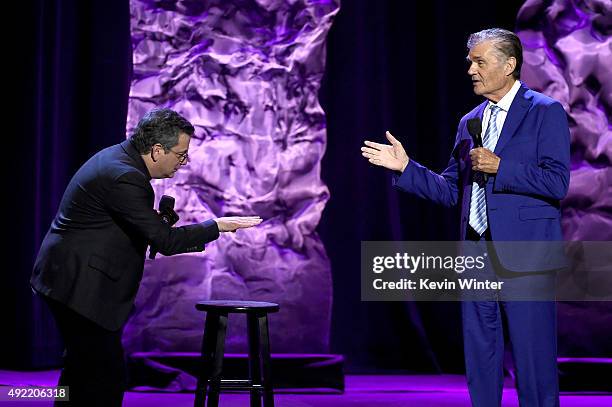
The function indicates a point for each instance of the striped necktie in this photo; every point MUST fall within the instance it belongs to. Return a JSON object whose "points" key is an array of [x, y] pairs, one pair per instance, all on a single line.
{"points": [[478, 203]]}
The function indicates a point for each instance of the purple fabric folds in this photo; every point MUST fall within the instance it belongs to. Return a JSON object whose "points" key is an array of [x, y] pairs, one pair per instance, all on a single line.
{"points": [[246, 74], [568, 56]]}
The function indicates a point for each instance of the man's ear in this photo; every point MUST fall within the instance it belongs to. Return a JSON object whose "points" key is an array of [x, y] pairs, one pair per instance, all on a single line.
{"points": [[156, 151], [510, 66]]}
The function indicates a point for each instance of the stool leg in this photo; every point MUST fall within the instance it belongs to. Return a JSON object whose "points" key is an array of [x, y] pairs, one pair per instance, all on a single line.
{"points": [[217, 365], [254, 358], [211, 360], [266, 361], [208, 345]]}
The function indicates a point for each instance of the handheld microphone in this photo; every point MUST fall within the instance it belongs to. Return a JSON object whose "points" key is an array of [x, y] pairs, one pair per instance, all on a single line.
{"points": [[166, 210], [474, 127], [167, 215]]}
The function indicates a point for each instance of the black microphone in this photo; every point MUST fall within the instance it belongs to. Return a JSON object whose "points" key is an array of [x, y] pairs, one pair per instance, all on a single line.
{"points": [[166, 210], [167, 215], [475, 128]]}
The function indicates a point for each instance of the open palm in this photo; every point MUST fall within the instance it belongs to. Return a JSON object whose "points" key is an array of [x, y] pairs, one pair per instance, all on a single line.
{"points": [[233, 223], [392, 156]]}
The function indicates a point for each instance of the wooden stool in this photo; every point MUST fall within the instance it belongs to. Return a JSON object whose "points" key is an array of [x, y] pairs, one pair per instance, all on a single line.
{"points": [[215, 327]]}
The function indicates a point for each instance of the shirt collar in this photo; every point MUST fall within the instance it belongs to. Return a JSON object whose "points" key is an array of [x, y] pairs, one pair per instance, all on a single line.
{"points": [[505, 102]]}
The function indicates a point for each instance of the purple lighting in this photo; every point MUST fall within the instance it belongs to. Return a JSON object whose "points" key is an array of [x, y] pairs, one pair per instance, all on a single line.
{"points": [[362, 390], [247, 78], [568, 54]]}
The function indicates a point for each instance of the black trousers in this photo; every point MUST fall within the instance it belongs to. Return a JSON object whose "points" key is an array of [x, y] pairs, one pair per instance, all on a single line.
{"points": [[94, 366]]}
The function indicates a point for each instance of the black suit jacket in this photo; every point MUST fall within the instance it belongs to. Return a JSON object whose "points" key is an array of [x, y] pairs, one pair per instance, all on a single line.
{"points": [[92, 257]]}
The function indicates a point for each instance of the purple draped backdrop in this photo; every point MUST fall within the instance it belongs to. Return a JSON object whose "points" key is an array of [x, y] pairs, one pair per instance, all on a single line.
{"points": [[568, 56], [246, 74], [69, 94]]}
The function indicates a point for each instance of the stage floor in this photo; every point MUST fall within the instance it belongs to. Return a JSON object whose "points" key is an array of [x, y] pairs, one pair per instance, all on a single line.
{"points": [[361, 391]]}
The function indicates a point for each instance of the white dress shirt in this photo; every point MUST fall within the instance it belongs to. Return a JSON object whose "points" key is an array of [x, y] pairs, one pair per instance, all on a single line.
{"points": [[504, 105]]}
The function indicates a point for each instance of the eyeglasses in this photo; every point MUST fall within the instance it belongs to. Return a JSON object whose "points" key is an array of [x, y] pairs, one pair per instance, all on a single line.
{"points": [[182, 157]]}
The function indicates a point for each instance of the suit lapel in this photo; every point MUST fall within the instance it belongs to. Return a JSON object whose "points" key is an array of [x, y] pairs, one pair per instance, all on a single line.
{"points": [[518, 110], [478, 113], [465, 146]]}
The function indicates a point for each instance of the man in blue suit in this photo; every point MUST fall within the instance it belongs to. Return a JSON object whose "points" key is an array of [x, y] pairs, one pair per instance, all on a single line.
{"points": [[508, 190]]}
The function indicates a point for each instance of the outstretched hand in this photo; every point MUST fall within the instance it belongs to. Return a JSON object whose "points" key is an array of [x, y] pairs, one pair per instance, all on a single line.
{"points": [[392, 156], [233, 223]]}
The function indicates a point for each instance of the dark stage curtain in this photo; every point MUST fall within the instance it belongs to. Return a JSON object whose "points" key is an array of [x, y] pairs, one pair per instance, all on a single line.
{"points": [[69, 80]]}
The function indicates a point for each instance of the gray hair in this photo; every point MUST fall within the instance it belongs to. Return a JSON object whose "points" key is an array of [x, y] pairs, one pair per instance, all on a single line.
{"points": [[161, 126], [506, 43]]}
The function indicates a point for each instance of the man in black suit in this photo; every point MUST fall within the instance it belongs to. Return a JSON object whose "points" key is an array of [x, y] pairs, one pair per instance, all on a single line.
{"points": [[91, 261]]}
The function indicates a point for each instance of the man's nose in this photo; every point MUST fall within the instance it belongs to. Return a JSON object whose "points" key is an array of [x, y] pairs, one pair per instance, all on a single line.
{"points": [[471, 70]]}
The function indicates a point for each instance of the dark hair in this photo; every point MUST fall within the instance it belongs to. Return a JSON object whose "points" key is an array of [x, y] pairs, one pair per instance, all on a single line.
{"points": [[505, 42], [161, 126]]}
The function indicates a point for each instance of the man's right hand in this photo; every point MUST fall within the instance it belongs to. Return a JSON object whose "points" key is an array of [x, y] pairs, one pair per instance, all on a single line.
{"points": [[233, 223], [392, 156]]}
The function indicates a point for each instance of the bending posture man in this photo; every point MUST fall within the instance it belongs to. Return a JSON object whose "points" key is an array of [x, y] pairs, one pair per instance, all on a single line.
{"points": [[91, 261], [525, 161]]}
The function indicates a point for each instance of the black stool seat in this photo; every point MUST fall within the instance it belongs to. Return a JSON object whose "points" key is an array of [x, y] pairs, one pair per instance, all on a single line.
{"points": [[210, 381], [241, 307]]}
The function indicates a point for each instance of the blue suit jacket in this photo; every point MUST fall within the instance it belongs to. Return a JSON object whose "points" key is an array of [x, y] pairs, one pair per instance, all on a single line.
{"points": [[523, 197]]}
